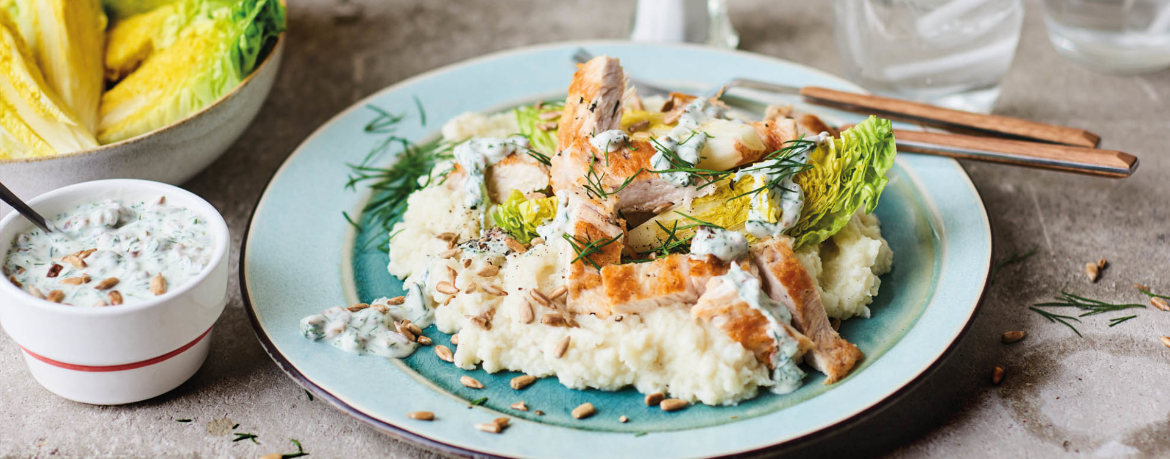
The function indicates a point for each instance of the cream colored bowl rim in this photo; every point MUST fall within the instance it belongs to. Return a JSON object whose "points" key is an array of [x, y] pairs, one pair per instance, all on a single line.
{"points": [[138, 138]]}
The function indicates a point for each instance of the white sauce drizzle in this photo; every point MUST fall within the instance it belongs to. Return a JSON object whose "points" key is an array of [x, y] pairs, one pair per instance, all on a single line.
{"points": [[684, 141], [476, 155], [723, 244], [610, 141], [133, 242], [788, 195], [786, 374], [370, 332], [560, 223]]}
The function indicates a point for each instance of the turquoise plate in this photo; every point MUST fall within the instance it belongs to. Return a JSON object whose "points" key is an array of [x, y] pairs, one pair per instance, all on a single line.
{"points": [[300, 256]]}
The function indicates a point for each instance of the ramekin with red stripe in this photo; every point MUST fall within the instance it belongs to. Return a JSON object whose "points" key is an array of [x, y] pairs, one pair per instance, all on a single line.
{"points": [[119, 353]]}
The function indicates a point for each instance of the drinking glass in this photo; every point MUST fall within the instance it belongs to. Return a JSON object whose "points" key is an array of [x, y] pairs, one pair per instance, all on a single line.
{"points": [[684, 21], [951, 53], [1116, 36]]}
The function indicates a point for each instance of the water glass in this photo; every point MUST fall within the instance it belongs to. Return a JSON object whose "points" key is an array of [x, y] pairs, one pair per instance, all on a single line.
{"points": [[1116, 36], [684, 21], [951, 53]]}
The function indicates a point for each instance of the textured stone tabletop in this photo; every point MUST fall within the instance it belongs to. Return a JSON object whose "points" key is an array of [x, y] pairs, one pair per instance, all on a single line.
{"points": [[1104, 395]]}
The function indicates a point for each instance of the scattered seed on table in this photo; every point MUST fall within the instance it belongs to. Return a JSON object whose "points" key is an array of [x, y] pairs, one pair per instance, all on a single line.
{"points": [[1093, 271], [583, 411], [997, 375], [1013, 336], [422, 415], [1160, 303], [1166, 340]]}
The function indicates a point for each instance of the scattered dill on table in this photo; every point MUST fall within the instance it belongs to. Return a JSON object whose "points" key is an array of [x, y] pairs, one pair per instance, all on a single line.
{"points": [[245, 436], [308, 394], [1011, 260], [1152, 294], [183, 420], [1088, 306], [300, 451], [478, 402]]}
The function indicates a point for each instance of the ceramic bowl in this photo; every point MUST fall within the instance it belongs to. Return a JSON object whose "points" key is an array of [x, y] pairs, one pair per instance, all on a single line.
{"points": [[117, 354], [172, 154]]}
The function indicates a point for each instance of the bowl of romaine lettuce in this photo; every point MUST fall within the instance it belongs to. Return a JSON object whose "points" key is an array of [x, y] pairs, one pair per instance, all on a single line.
{"points": [[147, 89]]}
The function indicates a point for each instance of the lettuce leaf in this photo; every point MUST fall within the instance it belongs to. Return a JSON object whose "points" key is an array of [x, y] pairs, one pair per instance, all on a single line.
{"points": [[67, 38], [847, 174], [520, 216], [528, 117], [122, 9], [134, 39], [211, 56], [34, 120]]}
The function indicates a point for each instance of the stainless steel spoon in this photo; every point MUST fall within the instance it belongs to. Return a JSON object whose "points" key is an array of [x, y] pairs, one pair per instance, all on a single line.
{"points": [[11, 199]]}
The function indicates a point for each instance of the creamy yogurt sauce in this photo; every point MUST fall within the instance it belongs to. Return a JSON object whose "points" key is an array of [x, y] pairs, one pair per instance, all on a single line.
{"points": [[610, 141], [475, 155], [725, 245], [112, 252], [787, 195], [684, 141], [786, 374], [560, 223], [370, 330]]}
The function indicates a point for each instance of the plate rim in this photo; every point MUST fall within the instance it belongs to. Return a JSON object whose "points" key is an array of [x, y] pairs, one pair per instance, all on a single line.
{"points": [[403, 434]]}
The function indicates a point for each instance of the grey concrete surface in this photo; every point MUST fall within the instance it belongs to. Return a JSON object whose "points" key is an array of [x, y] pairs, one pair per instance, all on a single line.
{"points": [[1104, 395]]}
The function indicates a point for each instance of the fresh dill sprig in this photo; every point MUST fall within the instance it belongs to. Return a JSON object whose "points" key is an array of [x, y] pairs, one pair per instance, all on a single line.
{"points": [[585, 249], [245, 436], [538, 156], [479, 401], [1012, 259], [300, 451], [697, 222], [595, 184], [677, 164], [784, 167], [1153, 295], [392, 185], [1090, 306], [182, 420], [673, 243]]}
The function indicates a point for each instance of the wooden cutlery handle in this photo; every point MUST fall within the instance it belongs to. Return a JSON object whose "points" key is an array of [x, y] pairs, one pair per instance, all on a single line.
{"points": [[1092, 161], [951, 119]]}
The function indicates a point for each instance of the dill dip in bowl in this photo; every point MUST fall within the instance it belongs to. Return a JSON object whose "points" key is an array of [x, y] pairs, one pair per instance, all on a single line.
{"points": [[116, 305]]}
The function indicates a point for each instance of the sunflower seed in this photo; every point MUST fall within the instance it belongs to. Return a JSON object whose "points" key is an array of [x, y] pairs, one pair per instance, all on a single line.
{"points": [[85, 253], [74, 260], [1141, 286], [402, 330], [547, 126], [15, 282], [36, 293], [502, 421], [114, 297], [639, 126], [537, 241], [421, 415], [539, 297], [1013, 336], [515, 245], [357, 307], [447, 237], [489, 288], [56, 296], [489, 427], [1101, 263], [519, 406], [106, 284], [524, 314], [444, 353], [466, 263], [623, 419], [997, 375], [550, 116], [446, 287], [1092, 270], [455, 339], [554, 320], [1166, 340], [471, 288], [54, 270], [84, 278], [1160, 303], [450, 253], [488, 271], [538, 413], [583, 411], [470, 382], [562, 348], [413, 327], [480, 321], [558, 292], [424, 341], [158, 284], [381, 308], [522, 381], [452, 273], [672, 404], [655, 398]]}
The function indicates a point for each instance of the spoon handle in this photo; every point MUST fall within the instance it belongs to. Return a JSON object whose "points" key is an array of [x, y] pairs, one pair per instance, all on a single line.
{"points": [[9, 197]]}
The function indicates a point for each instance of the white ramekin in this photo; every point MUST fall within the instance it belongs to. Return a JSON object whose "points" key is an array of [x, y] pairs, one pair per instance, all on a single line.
{"points": [[116, 354]]}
